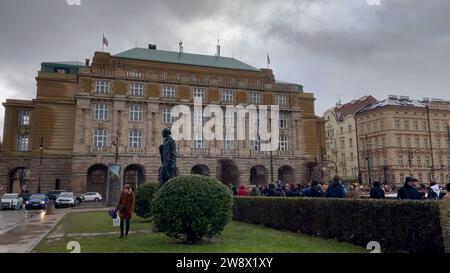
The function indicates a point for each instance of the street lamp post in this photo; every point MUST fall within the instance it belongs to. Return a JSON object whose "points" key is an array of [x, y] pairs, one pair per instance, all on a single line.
{"points": [[116, 144], [41, 148], [368, 160]]}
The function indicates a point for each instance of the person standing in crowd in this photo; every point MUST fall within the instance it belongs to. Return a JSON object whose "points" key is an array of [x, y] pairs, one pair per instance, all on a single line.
{"points": [[263, 190], [316, 190], [272, 190], [336, 189], [447, 195], [294, 191], [423, 191], [307, 190], [254, 191], [434, 191], [242, 191], [377, 192], [280, 191], [125, 207], [408, 191]]}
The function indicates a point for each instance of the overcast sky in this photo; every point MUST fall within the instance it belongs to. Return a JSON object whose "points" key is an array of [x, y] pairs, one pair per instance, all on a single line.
{"points": [[335, 48]]}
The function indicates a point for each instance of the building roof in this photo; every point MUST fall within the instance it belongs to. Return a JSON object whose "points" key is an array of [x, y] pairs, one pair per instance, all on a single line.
{"points": [[184, 58], [395, 101], [72, 67], [344, 110]]}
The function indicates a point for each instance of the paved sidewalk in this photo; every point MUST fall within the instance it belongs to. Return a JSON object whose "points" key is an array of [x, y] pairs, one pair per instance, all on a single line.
{"points": [[24, 237]]}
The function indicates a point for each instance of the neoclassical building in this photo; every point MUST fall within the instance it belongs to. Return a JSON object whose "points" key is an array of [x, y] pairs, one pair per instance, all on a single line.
{"points": [[340, 136], [88, 115], [400, 136]]}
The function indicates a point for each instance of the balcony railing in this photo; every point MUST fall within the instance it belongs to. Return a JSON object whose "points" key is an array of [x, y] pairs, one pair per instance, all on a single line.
{"points": [[229, 152], [101, 150], [135, 150], [200, 151]]}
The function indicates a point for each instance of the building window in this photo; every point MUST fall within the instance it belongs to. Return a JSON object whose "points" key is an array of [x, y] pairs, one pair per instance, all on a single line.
{"points": [[408, 142], [100, 138], [283, 121], [101, 112], [437, 126], [438, 142], [255, 145], [352, 157], [22, 143], [227, 96], [415, 125], [166, 116], [424, 125], [135, 138], [137, 89], [406, 124], [383, 142], [255, 98], [397, 124], [399, 141], [427, 161], [419, 160], [24, 117], [350, 142], [425, 142], [199, 142], [417, 141], [342, 130], [102, 87], [382, 125], [350, 128], [136, 113], [342, 144], [168, 91], [228, 143], [400, 160], [280, 100], [375, 126], [199, 93], [283, 143]]}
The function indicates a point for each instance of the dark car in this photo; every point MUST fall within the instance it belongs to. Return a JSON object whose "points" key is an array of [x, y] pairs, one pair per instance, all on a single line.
{"points": [[25, 196], [37, 201], [52, 195]]}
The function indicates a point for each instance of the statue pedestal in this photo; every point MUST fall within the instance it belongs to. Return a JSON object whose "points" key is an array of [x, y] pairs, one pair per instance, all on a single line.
{"points": [[114, 184]]}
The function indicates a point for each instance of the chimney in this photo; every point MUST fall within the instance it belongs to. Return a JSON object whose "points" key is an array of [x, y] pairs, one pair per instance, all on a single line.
{"points": [[152, 46], [87, 62]]}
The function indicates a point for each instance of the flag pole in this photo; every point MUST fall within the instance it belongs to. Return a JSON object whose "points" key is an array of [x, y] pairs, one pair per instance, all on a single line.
{"points": [[103, 42]]}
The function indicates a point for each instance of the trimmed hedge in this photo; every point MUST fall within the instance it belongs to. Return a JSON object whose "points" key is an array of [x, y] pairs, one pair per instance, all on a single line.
{"points": [[191, 208], [399, 226], [144, 196]]}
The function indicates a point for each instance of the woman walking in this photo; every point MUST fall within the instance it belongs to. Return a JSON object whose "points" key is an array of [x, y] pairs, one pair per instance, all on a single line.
{"points": [[125, 206]]}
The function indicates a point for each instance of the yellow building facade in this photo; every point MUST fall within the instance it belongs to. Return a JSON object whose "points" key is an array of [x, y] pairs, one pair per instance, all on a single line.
{"points": [[85, 114]]}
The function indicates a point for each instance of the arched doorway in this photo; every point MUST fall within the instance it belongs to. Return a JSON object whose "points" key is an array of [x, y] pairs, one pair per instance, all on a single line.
{"points": [[286, 175], [97, 179], [200, 169], [227, 172], [134, 175], [258, 175], [19, 179]]}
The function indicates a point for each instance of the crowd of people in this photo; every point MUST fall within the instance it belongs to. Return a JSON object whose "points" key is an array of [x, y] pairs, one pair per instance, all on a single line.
{"points": [[411, 190]]}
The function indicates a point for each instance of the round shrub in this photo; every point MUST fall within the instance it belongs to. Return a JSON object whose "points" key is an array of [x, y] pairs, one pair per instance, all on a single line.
{"points": [[144, 196], [192, 207]]}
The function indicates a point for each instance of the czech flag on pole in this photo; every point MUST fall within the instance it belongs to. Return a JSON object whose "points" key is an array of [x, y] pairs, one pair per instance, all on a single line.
{"points": [[105, 41]]}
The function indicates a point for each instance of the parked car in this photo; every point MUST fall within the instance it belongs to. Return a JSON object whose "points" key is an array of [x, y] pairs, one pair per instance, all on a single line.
{"points": [[65, 199], [11, 201], [52, 195], [37, 201], [25, 196], [92, 197]]}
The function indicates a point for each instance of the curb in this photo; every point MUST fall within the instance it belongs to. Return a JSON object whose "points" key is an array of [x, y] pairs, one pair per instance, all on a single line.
{"points": [[30, 249]]}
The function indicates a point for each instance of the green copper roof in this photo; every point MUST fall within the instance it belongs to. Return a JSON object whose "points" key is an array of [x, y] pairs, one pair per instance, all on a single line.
{"points": [[184, 58]]}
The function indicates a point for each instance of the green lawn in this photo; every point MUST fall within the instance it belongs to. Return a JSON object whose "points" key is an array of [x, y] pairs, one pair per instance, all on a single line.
{"points": [[236, 238]]}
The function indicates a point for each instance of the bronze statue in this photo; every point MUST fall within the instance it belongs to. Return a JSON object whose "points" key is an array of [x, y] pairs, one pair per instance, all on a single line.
{"points": [[168, 152]]}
